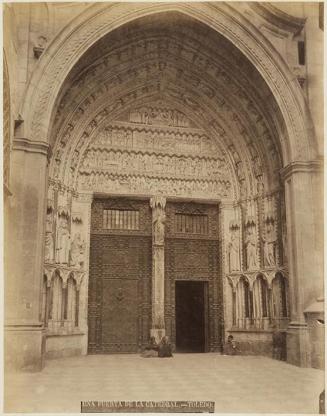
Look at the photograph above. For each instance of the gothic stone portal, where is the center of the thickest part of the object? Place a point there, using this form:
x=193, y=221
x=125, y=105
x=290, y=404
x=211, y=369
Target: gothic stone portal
x=120, y=276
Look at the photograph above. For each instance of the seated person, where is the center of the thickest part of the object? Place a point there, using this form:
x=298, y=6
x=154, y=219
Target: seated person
x=151, y=350
x=279, y=344
x=164, y=348
x=230, y=348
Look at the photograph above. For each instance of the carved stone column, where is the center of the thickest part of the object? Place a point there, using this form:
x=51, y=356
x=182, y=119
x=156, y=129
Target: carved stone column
x=158, y=204
x=305, y=251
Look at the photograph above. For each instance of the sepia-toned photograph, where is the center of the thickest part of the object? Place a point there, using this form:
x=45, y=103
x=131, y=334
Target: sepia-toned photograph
x=163, y=207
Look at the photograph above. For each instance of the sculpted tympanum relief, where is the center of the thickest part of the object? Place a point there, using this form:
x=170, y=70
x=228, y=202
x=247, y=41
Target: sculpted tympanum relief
x=155, y=148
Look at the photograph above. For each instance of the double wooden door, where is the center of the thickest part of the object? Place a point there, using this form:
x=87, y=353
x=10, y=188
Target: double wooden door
x=119, y=281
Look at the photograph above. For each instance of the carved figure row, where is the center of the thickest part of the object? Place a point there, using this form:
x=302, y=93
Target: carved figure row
x=158, y=116
x=63, y=239
x=154, y=139
x=129, y=162
x=151, y=185
x=269, y=242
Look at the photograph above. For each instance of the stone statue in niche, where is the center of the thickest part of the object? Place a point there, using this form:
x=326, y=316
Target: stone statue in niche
x=234, y=250
x=49, y=220
x=49, y=244
x=62, y=241
x=269, y=244
x=77, y=251
x=251, y=247
x=49, y=248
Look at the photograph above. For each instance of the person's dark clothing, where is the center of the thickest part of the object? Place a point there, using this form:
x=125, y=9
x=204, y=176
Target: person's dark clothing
x=230, y=348
x=152, y=346
x=165, y=350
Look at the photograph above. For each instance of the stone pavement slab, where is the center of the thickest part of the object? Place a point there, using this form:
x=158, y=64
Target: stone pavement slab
x=237, y=384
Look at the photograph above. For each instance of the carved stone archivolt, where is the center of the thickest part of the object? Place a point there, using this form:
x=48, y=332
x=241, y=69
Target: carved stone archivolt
x=81, y=36
x=246, y=137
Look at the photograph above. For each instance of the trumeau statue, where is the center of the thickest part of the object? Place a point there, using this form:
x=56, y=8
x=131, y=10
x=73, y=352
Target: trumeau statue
x=158, y=204
x=159, y=227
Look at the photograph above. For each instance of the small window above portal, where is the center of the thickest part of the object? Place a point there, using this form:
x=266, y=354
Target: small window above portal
x=121, y=219
x=191, y=223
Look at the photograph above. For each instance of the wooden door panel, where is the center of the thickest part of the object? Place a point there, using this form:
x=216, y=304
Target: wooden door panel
x=119, y=311
x=120, y=316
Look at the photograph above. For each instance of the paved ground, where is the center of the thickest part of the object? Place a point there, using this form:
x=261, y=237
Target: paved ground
x=235, y=384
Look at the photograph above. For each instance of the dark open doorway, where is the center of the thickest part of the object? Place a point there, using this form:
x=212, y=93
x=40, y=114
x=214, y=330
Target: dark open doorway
x=191, y=316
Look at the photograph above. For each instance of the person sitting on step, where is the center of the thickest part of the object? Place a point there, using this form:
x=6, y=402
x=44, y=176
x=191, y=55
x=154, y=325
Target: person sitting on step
x=230, y=347
x=151, y=350
x=165, y=348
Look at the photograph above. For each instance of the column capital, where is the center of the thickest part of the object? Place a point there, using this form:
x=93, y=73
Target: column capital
x=158, y=201
x=312, y=166
x=85, y=197
x=31, y=146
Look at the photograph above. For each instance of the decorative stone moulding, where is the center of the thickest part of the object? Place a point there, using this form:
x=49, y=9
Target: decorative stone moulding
x=37, y=51
x=258, y=52
x=64, y=273
x=77, y=218
x=268, y=275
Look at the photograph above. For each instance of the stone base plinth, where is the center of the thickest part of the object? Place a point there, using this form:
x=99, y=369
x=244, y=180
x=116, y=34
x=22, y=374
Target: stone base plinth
x=253, y=342
x=68, y=345
x=298, y=347
x=24, y=347
x=158, y=334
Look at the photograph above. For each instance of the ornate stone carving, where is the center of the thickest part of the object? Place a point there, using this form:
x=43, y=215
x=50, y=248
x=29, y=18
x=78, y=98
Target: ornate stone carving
x=270, y=232
x=251, y=247
x=250, y=236
x=77, y=251
x=151, y=138
x=119, y=161
x=136, y=184
x=158, y=203
x=159, y=116
x=49, y=248
x=123, y=156
x=62, y=240
x=269, y=244
x=234, y=247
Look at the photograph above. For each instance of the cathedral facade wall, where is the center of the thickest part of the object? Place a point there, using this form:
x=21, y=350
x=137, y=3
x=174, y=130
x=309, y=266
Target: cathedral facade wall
x=138, y=103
